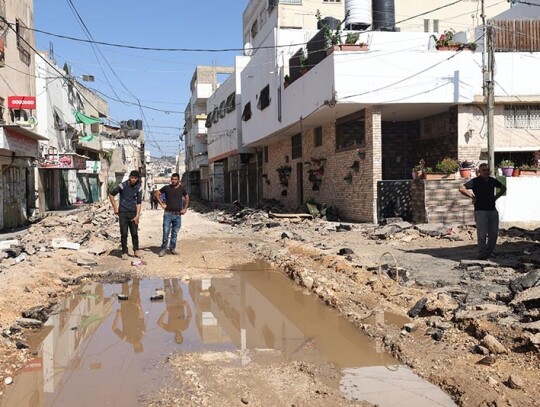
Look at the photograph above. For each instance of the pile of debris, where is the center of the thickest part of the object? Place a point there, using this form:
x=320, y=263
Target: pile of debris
x=397, y=228
x=90, y=228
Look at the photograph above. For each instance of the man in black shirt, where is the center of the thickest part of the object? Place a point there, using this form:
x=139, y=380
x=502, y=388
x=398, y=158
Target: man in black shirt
x=128, y=211
x=174, y=207
x=485, y=213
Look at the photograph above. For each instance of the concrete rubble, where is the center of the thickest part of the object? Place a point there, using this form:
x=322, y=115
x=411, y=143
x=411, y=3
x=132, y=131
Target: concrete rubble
x=89, y=229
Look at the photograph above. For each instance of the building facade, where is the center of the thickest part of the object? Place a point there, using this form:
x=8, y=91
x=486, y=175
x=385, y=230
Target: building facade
x=19, y=141
x=204, y=82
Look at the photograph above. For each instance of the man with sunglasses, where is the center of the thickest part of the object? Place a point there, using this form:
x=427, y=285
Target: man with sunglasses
x=485, y=214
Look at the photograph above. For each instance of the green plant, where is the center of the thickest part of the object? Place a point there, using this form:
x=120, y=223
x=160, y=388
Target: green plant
x=446, y=39
x=303, y=61
x=447, y=166
x=527, y=167
x=352, y=38
x=110, y=186
x=466, y=164
x=420, y=167
x=507, y=164
x=331, y=37
x=107, y=155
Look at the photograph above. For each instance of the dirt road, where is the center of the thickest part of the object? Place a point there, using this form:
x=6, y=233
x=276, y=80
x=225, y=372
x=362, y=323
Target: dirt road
x=437, y=346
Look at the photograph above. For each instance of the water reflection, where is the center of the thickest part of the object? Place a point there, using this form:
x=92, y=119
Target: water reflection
x=177, y=314
x=131, y=316
x=82, y=361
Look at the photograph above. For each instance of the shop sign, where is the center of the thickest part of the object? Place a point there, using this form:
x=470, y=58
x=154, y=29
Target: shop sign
x=22, y=102
x=63, y=161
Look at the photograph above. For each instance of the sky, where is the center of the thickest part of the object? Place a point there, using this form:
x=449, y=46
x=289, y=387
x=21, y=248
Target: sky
x=158, y=79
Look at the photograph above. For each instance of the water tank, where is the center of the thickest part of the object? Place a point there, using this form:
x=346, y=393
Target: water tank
x=359, y=14
x=131, y=124
x=384, y=15
x=138, y=124
x=331, y=22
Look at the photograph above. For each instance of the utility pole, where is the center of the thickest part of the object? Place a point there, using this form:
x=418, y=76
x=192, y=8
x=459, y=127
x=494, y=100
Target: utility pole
x=490, y=97
x=488, y=64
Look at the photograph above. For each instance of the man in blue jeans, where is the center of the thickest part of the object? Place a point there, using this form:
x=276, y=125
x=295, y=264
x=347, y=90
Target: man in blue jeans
x=174, y=207
x=485, y=214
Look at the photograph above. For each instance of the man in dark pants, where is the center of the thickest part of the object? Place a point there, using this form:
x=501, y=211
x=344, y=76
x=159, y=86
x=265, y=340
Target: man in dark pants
x=174, y=209
x=485, y=213
x=128, y=211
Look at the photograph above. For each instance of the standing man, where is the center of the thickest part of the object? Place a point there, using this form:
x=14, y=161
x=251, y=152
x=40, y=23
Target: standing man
x=174, y=209
x=128, y=211
x=485, y=214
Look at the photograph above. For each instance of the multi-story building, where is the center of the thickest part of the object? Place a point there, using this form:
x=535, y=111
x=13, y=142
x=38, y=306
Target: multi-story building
x=204, y=82
x=233, y=167
x=334, y=125
x=19, y=141
x=70, y=116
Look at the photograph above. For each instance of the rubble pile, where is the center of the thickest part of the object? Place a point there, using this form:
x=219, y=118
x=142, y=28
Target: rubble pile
x=91, y=228
x=398, y=229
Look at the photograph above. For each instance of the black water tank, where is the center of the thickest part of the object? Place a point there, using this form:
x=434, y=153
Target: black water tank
x=131, y=124
x=138, y=124
x=331, y=22
x=384, y=15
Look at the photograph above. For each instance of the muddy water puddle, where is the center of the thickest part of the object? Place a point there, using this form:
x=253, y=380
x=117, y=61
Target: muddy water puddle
x=99, y=350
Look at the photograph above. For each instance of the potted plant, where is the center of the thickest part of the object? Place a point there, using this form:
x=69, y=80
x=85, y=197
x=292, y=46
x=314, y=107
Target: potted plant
x=418, y=170
x=446, y=42
x=286, y=81
x=529, y=170
x=445, y=169
x=465, y=168
x=351, y=43
x=507, y=167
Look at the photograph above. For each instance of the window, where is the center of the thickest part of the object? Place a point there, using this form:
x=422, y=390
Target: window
x=265, y=154
x=94, y=128
x=209, y=120
x=350, y=131
x=231, y=103
x=222, y=111
x=426, y=25
x=264, y=98
x=522, y=116
x=317, y=137
x=215, y=115
x=255, y=29
x=246, y=113
x=22, y=41
x=2, y=110
x=296, y=142
x=436, y=25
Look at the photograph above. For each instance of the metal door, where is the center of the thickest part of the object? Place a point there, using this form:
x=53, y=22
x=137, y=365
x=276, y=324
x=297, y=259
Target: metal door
x=13, y=196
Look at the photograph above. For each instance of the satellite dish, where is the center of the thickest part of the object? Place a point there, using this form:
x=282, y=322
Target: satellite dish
x=248, y=49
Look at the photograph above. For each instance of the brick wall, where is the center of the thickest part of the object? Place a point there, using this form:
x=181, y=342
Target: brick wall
x=440, y=202
x=356, y=200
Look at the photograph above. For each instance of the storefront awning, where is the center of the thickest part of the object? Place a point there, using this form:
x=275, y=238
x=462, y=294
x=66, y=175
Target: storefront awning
x=20, y=141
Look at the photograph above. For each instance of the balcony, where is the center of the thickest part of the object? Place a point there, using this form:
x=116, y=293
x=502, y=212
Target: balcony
x=201, y=92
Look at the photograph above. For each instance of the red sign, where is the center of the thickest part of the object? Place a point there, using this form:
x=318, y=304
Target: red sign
x=22, y=102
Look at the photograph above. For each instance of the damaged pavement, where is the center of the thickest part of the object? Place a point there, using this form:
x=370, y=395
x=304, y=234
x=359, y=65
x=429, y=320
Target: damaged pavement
x=471, y=327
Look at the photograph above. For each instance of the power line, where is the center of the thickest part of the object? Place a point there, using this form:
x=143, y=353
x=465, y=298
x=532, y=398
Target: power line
x=212, y=50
